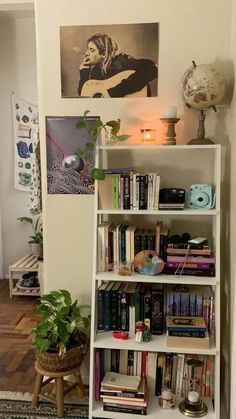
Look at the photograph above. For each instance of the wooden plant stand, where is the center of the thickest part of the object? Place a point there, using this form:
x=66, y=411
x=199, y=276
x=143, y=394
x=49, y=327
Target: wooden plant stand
x=28, y=263
x=60, y=389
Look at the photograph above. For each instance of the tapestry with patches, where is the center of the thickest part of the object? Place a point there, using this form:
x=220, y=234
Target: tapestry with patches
x=26, y=129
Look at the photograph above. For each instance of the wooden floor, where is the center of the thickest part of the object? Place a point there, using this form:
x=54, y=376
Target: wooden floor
x=17, y=358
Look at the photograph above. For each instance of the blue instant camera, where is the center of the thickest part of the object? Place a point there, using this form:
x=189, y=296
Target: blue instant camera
x=200, y=196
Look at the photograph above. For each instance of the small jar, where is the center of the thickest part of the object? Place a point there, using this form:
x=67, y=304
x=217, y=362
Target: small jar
x=167, y=399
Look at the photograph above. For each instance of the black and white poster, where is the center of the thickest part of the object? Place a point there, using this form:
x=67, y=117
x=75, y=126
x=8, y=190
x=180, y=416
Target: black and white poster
x=109, y=61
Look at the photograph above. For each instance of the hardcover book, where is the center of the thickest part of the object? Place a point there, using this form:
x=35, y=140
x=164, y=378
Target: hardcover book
x=188, y=323
x=121, y=381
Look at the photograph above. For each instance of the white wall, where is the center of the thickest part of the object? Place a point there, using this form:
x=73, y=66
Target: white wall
x=17, y=73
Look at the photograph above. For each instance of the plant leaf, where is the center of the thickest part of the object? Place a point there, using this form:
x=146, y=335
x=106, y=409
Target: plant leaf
x=121, y=137
x=80, y=124
x=86, y=112
x=89, y=146
x=79, y=152
x=27, y=219
x=98, y=174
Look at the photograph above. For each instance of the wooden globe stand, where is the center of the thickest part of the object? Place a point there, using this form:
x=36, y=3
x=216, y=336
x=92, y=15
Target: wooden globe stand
x=201, y=131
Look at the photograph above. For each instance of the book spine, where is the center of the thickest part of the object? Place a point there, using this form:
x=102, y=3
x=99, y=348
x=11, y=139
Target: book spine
x=97, y=375
x=123, y=311
x=126, y=396
x=196, y=265
x=190, y=259
x=192, y=271
x=137, y=241
x=107, y=310
x=115, y=191
x=186, y=329
x=130, y=410
x=159, y=374
x=143, y=189
x=126, y=191
x=157, y=298
x=147, y=309
x=100, y=305
x=179, y=376
x=113, y=315
x=191, y=334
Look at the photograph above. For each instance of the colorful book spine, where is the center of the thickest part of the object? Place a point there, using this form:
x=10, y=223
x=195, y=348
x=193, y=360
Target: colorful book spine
x=157, y=299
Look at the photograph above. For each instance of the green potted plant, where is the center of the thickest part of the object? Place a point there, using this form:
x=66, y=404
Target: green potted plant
x=36, y=241
x=111, y=129
x=59, y=337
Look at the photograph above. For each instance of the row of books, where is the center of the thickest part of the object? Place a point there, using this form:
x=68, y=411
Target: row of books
x=180, y=372
x=129, y=190
x=124, y=393
x=121, y=304
x=118, y=244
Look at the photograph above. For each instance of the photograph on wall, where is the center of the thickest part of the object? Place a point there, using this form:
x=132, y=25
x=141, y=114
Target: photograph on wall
x=68, y=173
x=103, y=61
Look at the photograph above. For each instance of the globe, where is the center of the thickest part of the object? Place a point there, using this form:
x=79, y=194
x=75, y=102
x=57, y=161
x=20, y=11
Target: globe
x=202, y=86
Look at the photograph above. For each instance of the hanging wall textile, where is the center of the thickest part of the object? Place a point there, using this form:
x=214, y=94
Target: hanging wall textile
x=25, y=126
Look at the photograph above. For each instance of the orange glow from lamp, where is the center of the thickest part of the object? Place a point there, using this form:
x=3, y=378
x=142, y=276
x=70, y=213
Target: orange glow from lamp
x=148, y=136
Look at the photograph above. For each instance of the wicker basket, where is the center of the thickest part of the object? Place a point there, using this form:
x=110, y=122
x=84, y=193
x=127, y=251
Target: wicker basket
x=50, y=361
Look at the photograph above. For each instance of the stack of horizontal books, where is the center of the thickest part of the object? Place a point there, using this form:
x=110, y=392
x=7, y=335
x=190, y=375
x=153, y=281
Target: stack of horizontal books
x=124, y=393
x=187, y=332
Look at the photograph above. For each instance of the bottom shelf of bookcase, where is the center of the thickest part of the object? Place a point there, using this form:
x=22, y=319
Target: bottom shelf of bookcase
x=153, y=410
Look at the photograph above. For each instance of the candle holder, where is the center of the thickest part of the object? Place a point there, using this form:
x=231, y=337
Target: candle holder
x=148, y=135
x=170, y=130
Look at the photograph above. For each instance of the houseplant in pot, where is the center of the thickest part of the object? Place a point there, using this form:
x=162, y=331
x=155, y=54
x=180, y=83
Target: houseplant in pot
x=110, y=129
x=36, y=241
x=59, y=337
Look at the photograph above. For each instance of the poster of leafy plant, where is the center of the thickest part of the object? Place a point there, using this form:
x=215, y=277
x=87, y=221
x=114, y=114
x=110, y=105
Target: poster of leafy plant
x=67, y=172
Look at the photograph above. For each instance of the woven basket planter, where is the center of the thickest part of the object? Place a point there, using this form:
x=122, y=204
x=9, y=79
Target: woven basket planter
x=51, y=361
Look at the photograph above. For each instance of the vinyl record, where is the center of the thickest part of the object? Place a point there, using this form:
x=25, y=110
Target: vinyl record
x=147, y=262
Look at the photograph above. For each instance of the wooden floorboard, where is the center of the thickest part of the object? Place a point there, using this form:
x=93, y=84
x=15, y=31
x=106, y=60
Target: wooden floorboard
x=17, y=358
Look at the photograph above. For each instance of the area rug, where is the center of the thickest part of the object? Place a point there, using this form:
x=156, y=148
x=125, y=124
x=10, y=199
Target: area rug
x=10, y=409
x=17, y=405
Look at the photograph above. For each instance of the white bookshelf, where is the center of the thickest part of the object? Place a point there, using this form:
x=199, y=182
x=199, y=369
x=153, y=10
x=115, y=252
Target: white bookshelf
x=179, y=166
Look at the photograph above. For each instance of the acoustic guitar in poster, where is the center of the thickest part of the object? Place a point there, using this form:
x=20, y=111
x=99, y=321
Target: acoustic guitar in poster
x=98, y=88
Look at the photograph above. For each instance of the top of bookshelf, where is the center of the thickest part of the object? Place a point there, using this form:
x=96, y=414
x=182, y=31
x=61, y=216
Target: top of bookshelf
x=122, y=146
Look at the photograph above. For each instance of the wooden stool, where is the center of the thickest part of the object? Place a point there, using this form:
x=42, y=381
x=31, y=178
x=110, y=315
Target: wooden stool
x=58, y=399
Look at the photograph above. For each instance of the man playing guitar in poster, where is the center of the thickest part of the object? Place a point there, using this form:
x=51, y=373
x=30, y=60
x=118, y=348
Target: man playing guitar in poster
x=104, y=73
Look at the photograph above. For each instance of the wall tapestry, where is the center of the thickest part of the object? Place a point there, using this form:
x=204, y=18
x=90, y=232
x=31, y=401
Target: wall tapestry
x=26, y=129
x=109, y=60
x=66, y=172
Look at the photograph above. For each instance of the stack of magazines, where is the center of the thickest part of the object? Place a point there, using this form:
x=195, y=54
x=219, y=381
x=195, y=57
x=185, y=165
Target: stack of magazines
x=124, y=393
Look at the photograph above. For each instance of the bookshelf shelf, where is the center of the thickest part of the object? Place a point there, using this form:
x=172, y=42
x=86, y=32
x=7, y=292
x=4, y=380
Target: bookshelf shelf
x=158, y=279
x=106, y=340
x=181, y=213
x=179, y=166
x=153, y=410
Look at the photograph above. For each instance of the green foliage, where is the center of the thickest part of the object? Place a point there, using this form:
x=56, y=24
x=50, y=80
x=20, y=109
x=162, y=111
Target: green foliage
x=37, y=228
x=111, y=127
x=60, y=322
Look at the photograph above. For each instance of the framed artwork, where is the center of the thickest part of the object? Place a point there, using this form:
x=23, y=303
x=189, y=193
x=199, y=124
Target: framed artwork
x=103, y=61
x=68, y=173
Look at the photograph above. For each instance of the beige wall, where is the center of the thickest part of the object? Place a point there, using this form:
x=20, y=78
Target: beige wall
x=18, y=74
x=187, y=32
